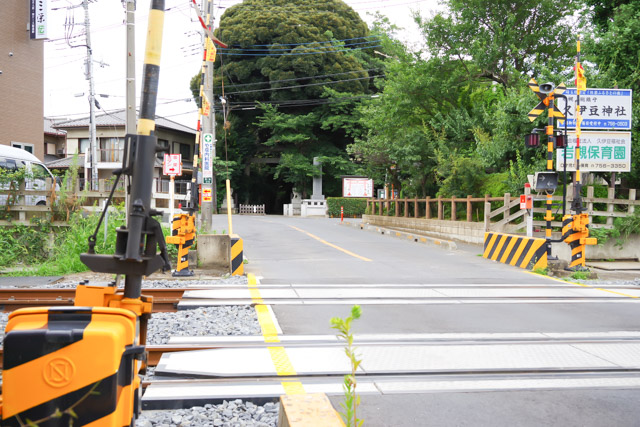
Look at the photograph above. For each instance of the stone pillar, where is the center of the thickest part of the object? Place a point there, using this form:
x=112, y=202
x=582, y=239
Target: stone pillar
x=317, y=180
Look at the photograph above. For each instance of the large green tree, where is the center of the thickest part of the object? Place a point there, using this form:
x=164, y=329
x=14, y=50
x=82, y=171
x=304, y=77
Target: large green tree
x=292, y=74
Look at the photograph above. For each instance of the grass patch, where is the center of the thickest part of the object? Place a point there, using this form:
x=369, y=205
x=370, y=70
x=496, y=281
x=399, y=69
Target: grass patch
x=581, y=275
x=541, y=271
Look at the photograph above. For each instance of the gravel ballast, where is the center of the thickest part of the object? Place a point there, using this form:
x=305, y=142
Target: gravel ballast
x=227, y=414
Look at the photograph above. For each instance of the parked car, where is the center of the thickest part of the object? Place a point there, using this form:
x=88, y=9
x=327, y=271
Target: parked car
x=12, y=159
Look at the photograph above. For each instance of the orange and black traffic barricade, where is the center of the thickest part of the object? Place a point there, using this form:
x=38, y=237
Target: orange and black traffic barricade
x=183, y=233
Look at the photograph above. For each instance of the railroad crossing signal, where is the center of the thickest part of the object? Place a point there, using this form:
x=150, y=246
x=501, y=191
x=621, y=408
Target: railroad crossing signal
x=546, y=93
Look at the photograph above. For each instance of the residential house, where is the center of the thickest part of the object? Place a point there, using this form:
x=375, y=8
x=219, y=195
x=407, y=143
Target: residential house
x=110, y=136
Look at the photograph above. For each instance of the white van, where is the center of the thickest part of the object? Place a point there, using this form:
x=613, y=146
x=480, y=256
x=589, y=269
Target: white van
x=12, y=158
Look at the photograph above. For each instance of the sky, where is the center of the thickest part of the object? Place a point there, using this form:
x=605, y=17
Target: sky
x=65, y=86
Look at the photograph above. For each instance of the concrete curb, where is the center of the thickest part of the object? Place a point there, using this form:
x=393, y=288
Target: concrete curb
x=447, y=244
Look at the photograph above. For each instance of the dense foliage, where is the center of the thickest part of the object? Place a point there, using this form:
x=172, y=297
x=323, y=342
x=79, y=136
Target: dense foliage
x=293, y=74
x=353, y=207
x=448, y=120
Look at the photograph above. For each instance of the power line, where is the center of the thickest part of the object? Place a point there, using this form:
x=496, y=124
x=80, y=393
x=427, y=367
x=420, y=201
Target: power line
x=307, y=85
x=299, y=53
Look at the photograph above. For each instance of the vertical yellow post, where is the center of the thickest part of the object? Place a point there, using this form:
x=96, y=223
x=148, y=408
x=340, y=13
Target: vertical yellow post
x=229, y=206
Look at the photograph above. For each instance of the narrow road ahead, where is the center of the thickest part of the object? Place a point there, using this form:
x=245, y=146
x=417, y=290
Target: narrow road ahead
x=493, y=344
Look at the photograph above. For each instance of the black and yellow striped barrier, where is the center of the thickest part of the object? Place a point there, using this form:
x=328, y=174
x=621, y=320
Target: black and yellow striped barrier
x=237, y=256
x=520, y=251
x=575, y=232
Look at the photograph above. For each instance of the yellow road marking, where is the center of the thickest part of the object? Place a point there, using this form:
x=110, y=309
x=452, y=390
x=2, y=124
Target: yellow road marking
x=279, y=356
x=583, y=285
x=331, y=244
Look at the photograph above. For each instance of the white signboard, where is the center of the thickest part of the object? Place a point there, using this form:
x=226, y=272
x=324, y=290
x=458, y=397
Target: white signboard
x=172, y=164
x=600, y=108
x=599, y=152
x=207, y=156
x=357, y=187
x=38, y=19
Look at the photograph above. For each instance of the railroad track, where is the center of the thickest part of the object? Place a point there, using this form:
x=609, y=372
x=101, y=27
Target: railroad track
x=164, y=299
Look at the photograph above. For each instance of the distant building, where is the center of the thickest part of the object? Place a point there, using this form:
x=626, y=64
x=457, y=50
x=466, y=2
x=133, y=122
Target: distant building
x=110, y=136
x=21, y=80
x=55, y=141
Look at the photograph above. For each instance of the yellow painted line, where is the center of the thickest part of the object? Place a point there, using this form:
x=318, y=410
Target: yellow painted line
x=281, y=361
x=331, y=244
x=293, y=387
x=279, y=356
x=581, y=284
x=269, y=331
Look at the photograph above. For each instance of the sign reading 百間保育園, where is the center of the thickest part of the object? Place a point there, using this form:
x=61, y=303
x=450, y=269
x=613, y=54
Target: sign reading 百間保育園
x=38, y=19
x=599, y=108
x=599, y=152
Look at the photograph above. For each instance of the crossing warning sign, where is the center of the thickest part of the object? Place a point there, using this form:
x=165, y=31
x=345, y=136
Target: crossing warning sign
x=545, y=98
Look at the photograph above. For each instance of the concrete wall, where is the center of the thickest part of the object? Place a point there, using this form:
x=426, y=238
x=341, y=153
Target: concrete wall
x=470, y=232
x=214, y=251
x=21, y=81
x=473, y=232
x=607, y=250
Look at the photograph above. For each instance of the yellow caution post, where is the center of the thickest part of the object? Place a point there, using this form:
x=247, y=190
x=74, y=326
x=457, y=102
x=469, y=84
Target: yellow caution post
x=237, y=256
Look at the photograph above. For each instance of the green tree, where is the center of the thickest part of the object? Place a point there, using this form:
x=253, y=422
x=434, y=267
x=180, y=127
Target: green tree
x=615, y=51
x=507, y=40
x=297, y=58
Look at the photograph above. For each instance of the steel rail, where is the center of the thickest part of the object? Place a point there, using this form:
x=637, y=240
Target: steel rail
x=164, y=299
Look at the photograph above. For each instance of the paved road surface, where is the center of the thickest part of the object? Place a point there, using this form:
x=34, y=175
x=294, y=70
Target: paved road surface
x=474, y=296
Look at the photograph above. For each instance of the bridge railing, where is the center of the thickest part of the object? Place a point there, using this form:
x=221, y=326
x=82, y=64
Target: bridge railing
x=498, y=213
x=251, y=210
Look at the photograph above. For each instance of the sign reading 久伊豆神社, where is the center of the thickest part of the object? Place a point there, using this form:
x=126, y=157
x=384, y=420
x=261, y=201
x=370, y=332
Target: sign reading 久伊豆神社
x=599, y=108
x=599, y=152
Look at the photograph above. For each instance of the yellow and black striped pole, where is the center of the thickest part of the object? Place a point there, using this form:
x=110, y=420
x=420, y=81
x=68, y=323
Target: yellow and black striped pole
x=550, y=144
x=145, y=147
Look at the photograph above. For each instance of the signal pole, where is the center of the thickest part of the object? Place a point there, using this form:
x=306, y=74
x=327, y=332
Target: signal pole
x=131, y=66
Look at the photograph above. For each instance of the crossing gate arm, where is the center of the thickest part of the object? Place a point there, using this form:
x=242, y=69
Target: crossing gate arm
x=519, y=251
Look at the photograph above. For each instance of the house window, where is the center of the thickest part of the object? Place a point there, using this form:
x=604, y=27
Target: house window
x=23, y=146
x=183, y=149
x=164, y=143
x=83, y=145
x=111, y=149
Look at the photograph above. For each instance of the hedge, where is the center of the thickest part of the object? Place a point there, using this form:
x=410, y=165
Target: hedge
x=353, y=207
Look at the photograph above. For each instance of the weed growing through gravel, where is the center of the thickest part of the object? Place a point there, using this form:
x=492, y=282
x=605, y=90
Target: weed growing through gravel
x=351, y=399
x=541, y=271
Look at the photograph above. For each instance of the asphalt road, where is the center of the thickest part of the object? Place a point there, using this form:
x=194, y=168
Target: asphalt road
x=292, y=251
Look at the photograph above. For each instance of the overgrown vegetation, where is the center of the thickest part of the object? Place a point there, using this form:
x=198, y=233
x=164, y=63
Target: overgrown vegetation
x=351, y=399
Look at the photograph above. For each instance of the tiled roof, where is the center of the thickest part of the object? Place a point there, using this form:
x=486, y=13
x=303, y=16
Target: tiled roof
x=65, y=162
x=48, y=128
x=118, y=119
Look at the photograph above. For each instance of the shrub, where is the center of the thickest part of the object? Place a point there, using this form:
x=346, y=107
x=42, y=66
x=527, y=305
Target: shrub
x=352, y=206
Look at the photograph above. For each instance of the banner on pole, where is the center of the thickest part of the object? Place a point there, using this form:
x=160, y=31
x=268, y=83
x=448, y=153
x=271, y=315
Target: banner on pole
x=207, y=158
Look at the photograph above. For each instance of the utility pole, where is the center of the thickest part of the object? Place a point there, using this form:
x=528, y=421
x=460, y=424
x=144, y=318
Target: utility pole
x=92, y=99
x=208, y=122
x=131, y=66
